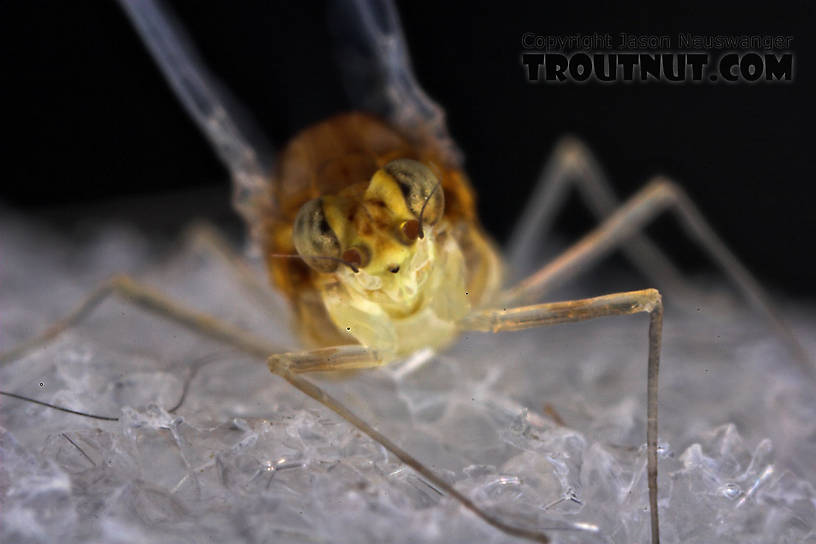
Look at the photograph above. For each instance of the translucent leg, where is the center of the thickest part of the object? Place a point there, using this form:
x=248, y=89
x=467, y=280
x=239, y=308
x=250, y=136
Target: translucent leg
x=355, y=357
x=659, y=195
x=378, y=76
x=233, y=137
x=200, y=235
x=539, y=315
x=205, y=236
x=572, y=163
x=333, y=359
x=145, y=297
x=287, y=366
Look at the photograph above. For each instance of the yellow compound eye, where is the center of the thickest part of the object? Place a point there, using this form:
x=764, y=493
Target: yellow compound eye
x=420, y=190
x=314, y=237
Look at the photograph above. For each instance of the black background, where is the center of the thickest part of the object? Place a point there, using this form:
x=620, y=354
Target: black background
x=93, y=122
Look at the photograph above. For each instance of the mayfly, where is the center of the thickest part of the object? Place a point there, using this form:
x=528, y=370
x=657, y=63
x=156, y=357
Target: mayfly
x=368, y=226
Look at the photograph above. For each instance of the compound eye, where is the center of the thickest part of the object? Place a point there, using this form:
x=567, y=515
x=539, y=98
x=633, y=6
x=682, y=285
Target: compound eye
x=314, y=237
x=419, y=188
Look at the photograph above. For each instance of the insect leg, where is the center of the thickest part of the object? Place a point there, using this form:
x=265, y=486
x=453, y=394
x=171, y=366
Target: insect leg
x=348, y=357
x=149, y=299
x=286, y=366
x=208, y=239
x=540, y=315
x=659, y=195
x=233, y=137
x=572, y=163
x=378, y=75
x=333, y=359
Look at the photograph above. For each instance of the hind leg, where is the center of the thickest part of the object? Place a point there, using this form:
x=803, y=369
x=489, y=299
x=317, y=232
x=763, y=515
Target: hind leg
x=572, y=164
x=627, y=221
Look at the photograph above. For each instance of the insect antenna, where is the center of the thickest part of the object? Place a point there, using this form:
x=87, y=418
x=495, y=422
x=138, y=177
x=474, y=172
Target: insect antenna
x=424, y=205
x=302, y=258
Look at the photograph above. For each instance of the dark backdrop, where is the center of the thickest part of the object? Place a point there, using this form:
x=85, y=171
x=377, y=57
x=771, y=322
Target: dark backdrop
x=92, y=120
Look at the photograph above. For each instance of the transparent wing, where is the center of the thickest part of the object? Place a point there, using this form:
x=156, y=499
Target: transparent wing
x=378, y=75
x=238, y=144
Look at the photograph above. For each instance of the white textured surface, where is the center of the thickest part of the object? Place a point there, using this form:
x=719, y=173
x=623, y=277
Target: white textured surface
x=247, y=458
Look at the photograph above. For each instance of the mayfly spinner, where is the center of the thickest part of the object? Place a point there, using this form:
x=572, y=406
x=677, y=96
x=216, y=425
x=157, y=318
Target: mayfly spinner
x=367, y=223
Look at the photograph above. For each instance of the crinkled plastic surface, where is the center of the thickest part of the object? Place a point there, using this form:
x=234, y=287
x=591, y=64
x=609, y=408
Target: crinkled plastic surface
x=247, y=458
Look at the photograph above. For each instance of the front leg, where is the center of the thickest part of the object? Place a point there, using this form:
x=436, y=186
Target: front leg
x=632, y=302
x=287, y=365
x=354, y=357
x=333, y=359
